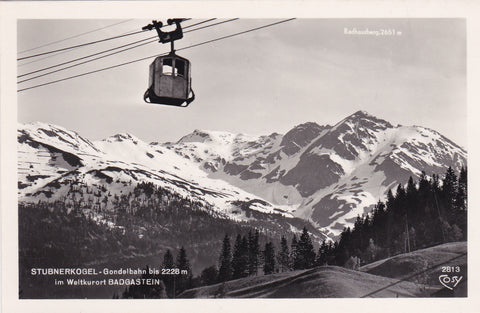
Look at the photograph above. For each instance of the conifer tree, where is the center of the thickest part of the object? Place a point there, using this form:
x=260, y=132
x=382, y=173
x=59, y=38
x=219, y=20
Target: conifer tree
x=168, y=263
x=240, y=258
x=449, y=189
x=424, y=195
x=293, y=252
x=184, y=281
x=460, y=207
x=322, y=254
x=253, y=252
x=305, y=255
x=269, y=259
x=461, y=200
x=168, y=260
x=411, y=199
x=400, y=201
x=225, y=268
x=284, y=255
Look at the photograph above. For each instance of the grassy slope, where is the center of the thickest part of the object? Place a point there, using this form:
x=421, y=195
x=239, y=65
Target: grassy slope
x=338, y=282
x=403, y=266
x=321, y=282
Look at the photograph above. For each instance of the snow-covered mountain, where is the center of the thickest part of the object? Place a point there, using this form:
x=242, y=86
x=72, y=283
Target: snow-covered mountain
x=52, y=161
x=326, y=174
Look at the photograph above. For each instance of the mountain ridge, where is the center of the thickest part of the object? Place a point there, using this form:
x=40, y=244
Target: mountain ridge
x=322, y=173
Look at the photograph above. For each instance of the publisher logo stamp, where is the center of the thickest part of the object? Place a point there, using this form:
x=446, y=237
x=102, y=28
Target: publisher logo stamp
x=448, y=281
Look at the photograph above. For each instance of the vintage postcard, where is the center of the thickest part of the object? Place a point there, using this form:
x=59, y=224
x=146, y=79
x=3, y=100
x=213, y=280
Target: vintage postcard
x=166, y=155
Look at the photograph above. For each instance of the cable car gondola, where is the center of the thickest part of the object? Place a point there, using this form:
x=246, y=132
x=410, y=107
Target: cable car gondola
x=169, y=76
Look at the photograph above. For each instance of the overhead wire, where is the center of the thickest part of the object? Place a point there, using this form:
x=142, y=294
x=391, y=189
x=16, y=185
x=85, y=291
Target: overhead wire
x=74, y=36
x=91, y=72
x=156, y=55
x=206, y=21
x=44, y=58
x=214, y=24
x=94, y=54
x=80, y=45
x=84, y=62
x=48, y=56
x=108, y=50
x=87, y=43
x=82, y=58
x=237, y=34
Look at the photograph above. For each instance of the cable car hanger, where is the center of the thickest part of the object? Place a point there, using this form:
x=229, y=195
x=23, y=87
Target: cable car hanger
x=169, y=79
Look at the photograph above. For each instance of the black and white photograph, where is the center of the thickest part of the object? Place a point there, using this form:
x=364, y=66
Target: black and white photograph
x=174, y=157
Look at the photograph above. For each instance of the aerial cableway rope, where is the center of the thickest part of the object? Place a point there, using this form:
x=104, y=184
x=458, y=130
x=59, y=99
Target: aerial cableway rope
x=156, y=55
x=202, y=22
x=82, y=58
x=236, y=34
x=74, y=36
x=111, y=49
x=83, y=44
x=65, y=51
x=61, y=52
x=80, y=45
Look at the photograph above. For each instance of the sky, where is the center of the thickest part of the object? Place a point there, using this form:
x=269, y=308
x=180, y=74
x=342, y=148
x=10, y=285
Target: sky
x=305, y=70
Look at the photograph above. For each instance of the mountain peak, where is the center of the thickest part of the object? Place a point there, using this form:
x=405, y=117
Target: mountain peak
x=364, y=119
x=197, y=135
x=300, y=136
x=122, y=137
x=362, y=113
x=45, y=127
x=53, y=134
x=219, y=137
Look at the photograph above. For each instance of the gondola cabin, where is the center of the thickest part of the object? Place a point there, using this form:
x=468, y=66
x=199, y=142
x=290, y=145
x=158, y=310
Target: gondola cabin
x=169, y=81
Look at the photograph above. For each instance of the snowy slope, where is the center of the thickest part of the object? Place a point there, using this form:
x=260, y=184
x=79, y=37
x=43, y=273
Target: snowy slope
x=51, y=168
x=326, y=174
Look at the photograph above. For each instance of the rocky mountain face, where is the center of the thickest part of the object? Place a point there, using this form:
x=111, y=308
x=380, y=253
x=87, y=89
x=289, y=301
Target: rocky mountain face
x=325, y=174
x=328, y=174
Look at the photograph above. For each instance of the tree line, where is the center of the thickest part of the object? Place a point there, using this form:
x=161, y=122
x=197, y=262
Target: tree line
x=421, y=214
x=176, y=277
x=247, y=257
x=429, y=212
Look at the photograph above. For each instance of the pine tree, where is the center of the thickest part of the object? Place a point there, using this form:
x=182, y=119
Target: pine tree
x=305, y=249
x=168, y=260
x=293, y=252
x=425, y=195
x=322, y=254
x=253, y=252
x=168, y=280
x=225, y=268
x=400, y=201
x=184, y=281
x=390, y=198
x=305, y=256
x=240, y=258
x=269, y=259
x=460, y=218
x=461, y=199
x=283, y=255
x=449, y=189
x=411, y=199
